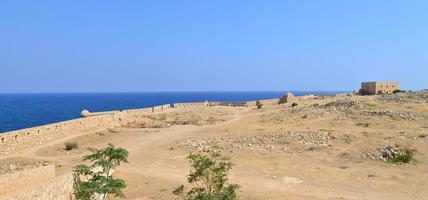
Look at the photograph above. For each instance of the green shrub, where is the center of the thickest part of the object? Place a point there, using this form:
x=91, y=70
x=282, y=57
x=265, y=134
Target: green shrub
x=208, y=176
x=365, y=124
x=403, y=156
x=371, y=106
x=259, y=104
x=95, y=181
x=70, y=146
x=398, y=91
x=112, y=131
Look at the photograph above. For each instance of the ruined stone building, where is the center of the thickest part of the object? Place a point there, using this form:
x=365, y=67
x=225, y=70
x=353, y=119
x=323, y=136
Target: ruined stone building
x=372, y=88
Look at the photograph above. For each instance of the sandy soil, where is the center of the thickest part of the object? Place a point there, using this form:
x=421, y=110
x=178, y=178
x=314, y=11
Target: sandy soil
x=303, y=152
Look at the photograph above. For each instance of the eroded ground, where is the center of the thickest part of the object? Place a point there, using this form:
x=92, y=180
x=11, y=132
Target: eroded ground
x=326, y=148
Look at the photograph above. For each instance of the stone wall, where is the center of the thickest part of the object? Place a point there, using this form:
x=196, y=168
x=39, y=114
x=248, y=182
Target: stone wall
x=15, y=181
x=59, y=188
x=24, y=138
x=185, y=105
x=19, y=139
x=265, y=102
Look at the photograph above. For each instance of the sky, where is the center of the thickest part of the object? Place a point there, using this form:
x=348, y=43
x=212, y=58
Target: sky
x=230, y=45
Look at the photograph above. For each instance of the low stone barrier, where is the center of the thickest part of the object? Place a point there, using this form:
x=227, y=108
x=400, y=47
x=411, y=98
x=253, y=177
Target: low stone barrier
x=185, y=105
x=15, y=181
x=59, y=188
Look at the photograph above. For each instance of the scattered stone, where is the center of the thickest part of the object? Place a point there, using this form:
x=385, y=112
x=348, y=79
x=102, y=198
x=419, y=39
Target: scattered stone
x=291, y=180
x=263, y=142
x=417, y=97
x=395, y=115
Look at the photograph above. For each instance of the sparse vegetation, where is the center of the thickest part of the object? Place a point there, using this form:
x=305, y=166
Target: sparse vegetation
x=366, y=134
x=403, y=156
x=208, y=176
x=312, y=148
x=363, y=124
x=259, y=104
x=70, y=146
x=95, y=181
x=348, y=138
x=371, y=106
x=294, y=104
x=398, y=91
x=112, y=131
x=326, y=130
x=345, y=154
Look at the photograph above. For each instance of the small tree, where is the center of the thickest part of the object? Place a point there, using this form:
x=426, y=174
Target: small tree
x=208, y=177
x=95, y=181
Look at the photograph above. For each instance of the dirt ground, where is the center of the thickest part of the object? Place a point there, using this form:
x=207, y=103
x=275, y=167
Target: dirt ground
x=320, y=149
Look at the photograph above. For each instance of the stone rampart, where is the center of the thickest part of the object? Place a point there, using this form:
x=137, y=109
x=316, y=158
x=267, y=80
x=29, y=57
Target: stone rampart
x=185, y=105
x=59, y=188
x=20, y=139
x=15, y=181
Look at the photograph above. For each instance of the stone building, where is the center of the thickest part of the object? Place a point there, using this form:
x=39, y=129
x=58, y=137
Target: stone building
x=371, y=88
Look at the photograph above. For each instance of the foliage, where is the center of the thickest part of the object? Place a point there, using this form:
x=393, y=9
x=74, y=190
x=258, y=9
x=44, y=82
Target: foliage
x=70, y=146
x=95, y=181
x=371, y=105
x=259, y=104
x=398, y=91
x=403, y=156
x=208, y=177
x=363, y=124
x=294, y=104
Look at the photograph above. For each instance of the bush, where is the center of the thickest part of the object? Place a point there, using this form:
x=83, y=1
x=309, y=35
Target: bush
x=95, y=181
x=398, y=91
x=294, y=104
x=208, y=177
x=259, y=104
x=363, y=124
x=403, y=156
x=70, y=146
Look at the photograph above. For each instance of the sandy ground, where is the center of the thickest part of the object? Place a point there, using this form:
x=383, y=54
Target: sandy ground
x=280, y=168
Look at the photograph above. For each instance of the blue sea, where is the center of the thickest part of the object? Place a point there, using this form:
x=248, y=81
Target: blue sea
x=18, y=111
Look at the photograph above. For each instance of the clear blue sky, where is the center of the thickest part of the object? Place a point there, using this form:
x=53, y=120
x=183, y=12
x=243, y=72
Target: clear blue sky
x=101, y=46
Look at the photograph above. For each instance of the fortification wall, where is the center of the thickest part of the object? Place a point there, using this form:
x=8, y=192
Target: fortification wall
x=265, y=102
x=186, y=105
x=59, y=188
x=15, y=181
x=20, y=139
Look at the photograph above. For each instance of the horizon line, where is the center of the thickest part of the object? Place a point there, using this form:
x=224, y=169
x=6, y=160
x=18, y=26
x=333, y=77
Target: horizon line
x=214, y=91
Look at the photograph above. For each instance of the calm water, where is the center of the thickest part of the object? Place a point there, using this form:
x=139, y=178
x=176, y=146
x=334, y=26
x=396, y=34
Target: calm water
x=19, y=111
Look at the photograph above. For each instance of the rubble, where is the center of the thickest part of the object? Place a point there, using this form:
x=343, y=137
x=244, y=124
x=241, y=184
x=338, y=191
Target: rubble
x=263, y=142
x=417, y=97
x=343, y=106
x=395, y=115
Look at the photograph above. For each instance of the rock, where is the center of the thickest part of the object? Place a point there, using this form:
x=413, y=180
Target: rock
x=288, y=98
x=291, y=180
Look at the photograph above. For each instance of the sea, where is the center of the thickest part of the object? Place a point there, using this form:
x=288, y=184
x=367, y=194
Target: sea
x=18, y=111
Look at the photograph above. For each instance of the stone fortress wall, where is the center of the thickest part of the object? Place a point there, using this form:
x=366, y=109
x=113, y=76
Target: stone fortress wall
x=54, y=188
x=16, y=180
